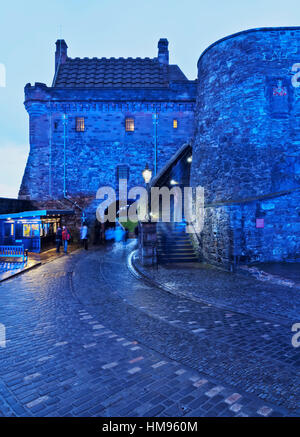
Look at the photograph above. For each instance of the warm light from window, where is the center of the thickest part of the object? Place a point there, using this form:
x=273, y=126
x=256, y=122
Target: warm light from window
x=175, y=123
x=129, y=125
x=79, y=124
x=26, y=230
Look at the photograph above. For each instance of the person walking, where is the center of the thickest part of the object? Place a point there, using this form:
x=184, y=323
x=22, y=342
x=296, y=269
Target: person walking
x=58, y=239
x=84, y=235
x=119, y=234
x=65, y=238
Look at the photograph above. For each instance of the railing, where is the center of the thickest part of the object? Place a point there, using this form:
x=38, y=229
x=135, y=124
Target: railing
x=13, y=252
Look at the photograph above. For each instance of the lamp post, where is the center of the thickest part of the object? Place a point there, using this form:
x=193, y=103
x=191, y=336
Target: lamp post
x=147, y=229
x=147, y=174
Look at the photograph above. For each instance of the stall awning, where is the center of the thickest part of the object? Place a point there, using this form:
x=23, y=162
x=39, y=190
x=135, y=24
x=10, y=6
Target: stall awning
x=37, y=213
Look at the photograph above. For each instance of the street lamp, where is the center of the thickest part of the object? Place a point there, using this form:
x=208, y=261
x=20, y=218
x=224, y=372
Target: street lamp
x=147, y=174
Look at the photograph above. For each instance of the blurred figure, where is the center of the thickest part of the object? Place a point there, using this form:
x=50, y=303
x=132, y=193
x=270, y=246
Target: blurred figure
x=119, y=234
x=65, y=238
x=109, y=234
x=102, y=233
x=97, y=232
x=84, y=235
x=58, y=239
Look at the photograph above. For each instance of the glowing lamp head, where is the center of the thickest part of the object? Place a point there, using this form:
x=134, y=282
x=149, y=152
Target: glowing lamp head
x=147, y=174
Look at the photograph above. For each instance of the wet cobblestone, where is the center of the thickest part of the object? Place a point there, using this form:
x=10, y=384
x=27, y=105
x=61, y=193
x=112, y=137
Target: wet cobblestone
x=245, y=294
x=85, y=338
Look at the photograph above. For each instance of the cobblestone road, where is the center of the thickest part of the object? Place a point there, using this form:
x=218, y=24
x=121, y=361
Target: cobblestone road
x=85, y=338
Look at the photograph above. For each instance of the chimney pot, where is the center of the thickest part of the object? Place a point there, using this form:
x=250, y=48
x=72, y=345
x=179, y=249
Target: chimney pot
x=163, y=52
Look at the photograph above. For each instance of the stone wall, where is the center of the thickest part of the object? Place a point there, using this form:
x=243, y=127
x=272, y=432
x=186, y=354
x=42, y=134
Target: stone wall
x=247, y=145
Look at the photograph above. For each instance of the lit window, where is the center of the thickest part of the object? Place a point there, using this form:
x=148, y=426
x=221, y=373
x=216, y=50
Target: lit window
x=129, y=124
x=12, y=226
x=26, y=230
x=79, y=124
x=175, y=123
x=35, y=230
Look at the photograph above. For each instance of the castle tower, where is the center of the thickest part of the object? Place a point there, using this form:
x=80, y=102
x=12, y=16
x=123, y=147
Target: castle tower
x=246, y=150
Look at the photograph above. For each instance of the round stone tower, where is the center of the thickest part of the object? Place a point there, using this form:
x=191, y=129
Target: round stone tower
x=247, y=146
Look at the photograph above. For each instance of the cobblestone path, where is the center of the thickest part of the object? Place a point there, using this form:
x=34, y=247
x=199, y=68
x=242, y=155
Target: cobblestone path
x=86, y=338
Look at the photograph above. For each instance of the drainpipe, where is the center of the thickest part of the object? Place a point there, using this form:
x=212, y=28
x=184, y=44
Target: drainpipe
x=50, y=153
x=75, y=204
x=155, y=117
x=64, y=178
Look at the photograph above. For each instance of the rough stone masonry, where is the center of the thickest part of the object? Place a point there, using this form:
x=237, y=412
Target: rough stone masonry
x=246, y=147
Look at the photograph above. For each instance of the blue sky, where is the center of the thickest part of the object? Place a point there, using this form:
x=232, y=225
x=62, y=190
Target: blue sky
x=29, y=29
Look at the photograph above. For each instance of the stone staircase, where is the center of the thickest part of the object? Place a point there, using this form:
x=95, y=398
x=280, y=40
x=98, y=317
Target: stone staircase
x=174, y=244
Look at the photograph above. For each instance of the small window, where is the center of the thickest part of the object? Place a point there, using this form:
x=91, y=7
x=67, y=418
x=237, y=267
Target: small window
x=175, y=123
x=79, y=124
x=129, y=124
x=26, y=230
x=55, y=125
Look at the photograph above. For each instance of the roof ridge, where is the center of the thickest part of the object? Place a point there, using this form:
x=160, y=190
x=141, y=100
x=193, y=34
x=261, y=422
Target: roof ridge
x=112, y=57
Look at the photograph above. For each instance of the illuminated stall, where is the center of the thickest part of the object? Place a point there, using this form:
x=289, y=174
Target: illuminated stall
x=34, y=229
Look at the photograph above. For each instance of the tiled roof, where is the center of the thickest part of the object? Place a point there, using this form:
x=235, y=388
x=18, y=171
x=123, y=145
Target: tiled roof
x=116, y=72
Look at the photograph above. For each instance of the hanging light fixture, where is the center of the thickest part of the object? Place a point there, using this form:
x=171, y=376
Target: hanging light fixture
x=147, y=174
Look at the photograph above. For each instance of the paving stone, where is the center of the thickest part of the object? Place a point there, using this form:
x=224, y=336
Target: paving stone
x=47, y=318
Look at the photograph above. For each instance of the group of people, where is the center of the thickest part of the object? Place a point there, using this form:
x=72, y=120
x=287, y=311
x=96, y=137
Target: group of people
x=63, y=237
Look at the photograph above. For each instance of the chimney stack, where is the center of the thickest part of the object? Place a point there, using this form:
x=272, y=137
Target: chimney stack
x=61, y=52
x=163, y=52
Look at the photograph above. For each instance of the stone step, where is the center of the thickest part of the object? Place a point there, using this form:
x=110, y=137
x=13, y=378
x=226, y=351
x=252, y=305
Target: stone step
x=181, y=249
x=173, y=237
x=174, y=244
x=177, y=255
x=177, y=260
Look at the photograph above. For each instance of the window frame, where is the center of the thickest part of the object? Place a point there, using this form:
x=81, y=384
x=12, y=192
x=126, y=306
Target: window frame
x=129, y=120
x=80, y=124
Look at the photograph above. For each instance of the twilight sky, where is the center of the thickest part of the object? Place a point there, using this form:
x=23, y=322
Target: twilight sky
x=119, y=28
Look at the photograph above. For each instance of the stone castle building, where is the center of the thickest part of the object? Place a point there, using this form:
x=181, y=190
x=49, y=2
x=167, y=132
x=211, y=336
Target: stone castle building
x=103, y=119
x=106, y=118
